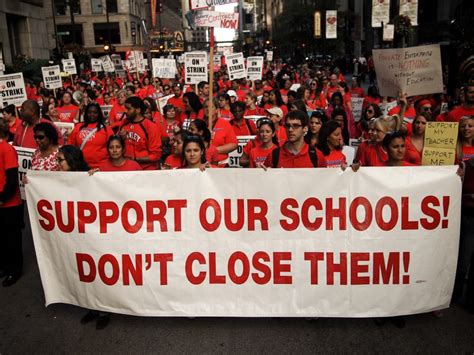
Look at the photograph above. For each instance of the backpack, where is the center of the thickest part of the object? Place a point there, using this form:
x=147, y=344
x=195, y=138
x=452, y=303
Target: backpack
x=312, y=155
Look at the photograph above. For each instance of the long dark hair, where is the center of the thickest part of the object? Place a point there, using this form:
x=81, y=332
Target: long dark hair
x=324, y=133
x=199, y=141
x=100, y=119
x=268, y=122
x=279, y=100
x=194, y=101
x=345, y=129
x=74, y=158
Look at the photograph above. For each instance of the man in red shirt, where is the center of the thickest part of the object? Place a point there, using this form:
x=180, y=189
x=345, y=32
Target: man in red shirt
x=241, y=125
x=467, y=109
x=177, y=101
x=203, y=90
x=30, y=115
x=295, y=153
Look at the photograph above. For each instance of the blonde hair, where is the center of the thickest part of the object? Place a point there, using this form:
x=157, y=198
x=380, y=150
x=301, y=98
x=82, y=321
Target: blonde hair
x=460, y=143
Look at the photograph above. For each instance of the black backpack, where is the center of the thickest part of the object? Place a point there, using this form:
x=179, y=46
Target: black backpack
x=312, y=155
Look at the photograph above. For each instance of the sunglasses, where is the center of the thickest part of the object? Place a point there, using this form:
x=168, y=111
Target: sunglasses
x=39, y=137
x=293, y=126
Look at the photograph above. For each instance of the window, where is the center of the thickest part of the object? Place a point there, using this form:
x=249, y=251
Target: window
x=96, y=6
x=112, y=5
x=60, y=6
x=70, y=34
x=103, y=30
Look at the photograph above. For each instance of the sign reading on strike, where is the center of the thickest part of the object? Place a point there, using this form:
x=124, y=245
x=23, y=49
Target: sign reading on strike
x=164, y=68
x=216, y=19
x=52, y=77
x=254, y=68
x=96, y=64
x=414, y=70
x=234, y=156
x=222, y=245
x=236, y=66
x=440, y=143
x=69, y=66
x=25, y=155
x=12, y=89
x=107, y=64
x=195, y=67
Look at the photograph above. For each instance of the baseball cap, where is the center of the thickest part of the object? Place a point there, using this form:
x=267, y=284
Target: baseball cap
x=232, y=93
x=275, y=111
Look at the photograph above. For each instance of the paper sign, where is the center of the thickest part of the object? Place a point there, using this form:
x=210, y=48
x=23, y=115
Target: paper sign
x=69, y=66
x=269, y=56
x=25, y=155
x=254, y=68
x=52, y=77
x=380, y=12
x=388, y=32
x=164, y=68
x=107, y=64
x=162, y=101
x=410, y=8
x=12, y=89
x=234, y=156
x=106, y=110
x=414, y=70
x=96, y=65
x=440, y=143
x=65, y=128
x=236, y=66
x=357, y=103
x=195, y=67
x=215, y=19
x=331, y=24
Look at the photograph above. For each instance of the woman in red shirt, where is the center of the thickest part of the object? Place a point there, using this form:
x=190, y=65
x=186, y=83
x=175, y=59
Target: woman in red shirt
x=224, y=108
x=251, y=106
x=117, y=113
x=330, y=144
x=92, y=136
x=194, y=153
x=415, y=142
x=68, y=111
x=268, y=142
x=116, y=160
x=465, y=148
x=317, y=119
x=376, y=155
x=10, y=117
x=175, y=159
x=394, y=144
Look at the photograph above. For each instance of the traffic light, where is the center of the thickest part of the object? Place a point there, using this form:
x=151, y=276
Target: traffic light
x=159, y=6
x=107, y=48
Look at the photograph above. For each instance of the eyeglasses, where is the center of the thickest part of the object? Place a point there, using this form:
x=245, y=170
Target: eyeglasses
x=39, y=137
x=293, y=126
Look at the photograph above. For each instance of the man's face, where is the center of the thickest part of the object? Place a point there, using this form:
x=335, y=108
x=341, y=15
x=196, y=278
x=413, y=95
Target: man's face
x=205, y=90
x=295, y=130
x=131, y=112
x=470, y=94
x=27, y=113
x=177, y=91
x=333, y=79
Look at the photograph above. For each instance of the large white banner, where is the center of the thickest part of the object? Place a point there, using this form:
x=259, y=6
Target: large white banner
x=12, y=90
x=195, y=67
x=380, y=12
x=216, y=19
x=248, y=242
x=236, y=66
x=412, y=70
x=52, y=77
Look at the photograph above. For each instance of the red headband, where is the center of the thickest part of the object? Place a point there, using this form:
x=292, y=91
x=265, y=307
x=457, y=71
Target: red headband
x=424, y=102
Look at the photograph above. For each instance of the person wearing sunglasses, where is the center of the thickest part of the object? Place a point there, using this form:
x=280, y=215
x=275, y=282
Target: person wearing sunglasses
x=45, y=156
x=370, y=112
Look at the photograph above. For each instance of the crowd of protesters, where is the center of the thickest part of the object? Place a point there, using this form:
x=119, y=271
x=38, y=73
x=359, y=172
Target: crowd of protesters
x=301, y=117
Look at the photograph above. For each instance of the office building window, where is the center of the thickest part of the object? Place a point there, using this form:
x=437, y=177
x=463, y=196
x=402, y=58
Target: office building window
x=102, y=31
x=96, y=6
x=112, y=5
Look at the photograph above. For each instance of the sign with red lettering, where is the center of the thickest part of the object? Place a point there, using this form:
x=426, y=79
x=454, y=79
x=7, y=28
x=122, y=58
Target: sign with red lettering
x=222, y=245
x=217, y=19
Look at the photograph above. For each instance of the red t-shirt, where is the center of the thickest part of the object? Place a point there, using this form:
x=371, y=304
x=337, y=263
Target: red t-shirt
x=242, y=129
x=223, y=133
x=212, y=156
x=24, y=136
x=374, y=155
x=412, y=155
x=225, y=114
x=174, y=161
x=116, y=114
x=357, y=92
x=257, y=111
x=410, y=111
x=67, y=113
x=467, y=152
x=299, y=160
x=458, y=112
x=259, y=155
x=128, y=165
x=13, y=127
x=8, y=160
x=335, y=159
x=95, y=149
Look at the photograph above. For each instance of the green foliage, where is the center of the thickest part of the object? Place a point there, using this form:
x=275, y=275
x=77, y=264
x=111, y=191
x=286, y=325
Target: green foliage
x=31, y=68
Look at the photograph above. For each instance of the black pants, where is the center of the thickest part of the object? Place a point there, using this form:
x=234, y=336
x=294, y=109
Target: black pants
x=11, y=246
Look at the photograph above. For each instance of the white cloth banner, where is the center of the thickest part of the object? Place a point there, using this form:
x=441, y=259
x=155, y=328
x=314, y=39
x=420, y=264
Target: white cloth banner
x=331, y=24
x=254, y=68
x=380, y=12
x=236, y=66
x=164, y=68
x=12, y=89
x=195, y=67
x=52, y=77
x=248, y=242
x=414, y=70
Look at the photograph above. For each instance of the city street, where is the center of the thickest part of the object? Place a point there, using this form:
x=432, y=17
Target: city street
x=26, y=326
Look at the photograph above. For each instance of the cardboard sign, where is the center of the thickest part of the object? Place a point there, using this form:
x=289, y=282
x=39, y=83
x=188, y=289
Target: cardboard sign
x=410, y=8
x=164, y=68
x=234, y=156
x=195, y=67
x=229, y=20
x=12, y=89
x=25, y=155
x=96, y=65
x=69, y=66
x=440, y=143
x=380, y=12
x=357, y=103
x=107, y=64
x=254, y=68
x=52, y=77
x=414, y=70
x=236, y=66
x=331, y=24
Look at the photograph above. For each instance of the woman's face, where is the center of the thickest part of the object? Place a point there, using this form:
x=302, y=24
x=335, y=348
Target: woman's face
x=93, y=114
x=314, y=125
x=335, y=139
x=396, y=149
x=419, y=125
x=379, y=132
x=467, y=128
x=369, y=113
x=223, y=102
x=171, y=113
x=178, y=145
x=194, y=130
x=62, y=162
x=340, y=120
x=266, y=97
x=146, y=81
x=52, y=110
x=67, y=99
x=193, y=154
x=115, y=149
x=337, y=101
x=121, y=98
x=307, y=94
x=272, y=97
x=248, y=101
x=42, y=141
x=8, y=117
x=187, y=106
x=265, y=133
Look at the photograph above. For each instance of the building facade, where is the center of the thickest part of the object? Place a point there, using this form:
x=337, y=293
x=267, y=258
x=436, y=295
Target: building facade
x=23, y=29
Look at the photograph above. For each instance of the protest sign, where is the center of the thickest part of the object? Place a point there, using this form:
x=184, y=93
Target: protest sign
x=269, y=56
x=164, y=68
x=385, y=107
x=254, y=68
x=52, y=77
x=222, y=245
x=236, y=66
x=65, y=128
x=414, y=70
x=162, y=101
x=388, y=32
x=357, y=103
x=195, y=67
x=410, y=8
x=234, y=156
x=96, y=64
x=69, y=66
x=106, y=110
x=107, y=64
x=204, y=4
x=331, y=24
x=380, y=12
x=24, y=165
x=440, y=143
x=12, y=89
x=216, y=19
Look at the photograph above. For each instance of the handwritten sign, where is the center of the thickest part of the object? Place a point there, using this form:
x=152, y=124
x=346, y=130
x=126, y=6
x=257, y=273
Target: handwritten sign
x=12, y=89
x=440, y=143
x=357, y=103
x=414, y=70
x=164, y=68
x=236, y=66
x=52, y=77
x=254, y=68
x=216, y=19
x=195, y=67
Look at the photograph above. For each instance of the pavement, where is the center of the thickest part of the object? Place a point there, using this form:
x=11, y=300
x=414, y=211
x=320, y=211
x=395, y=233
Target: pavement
x=27, y=326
